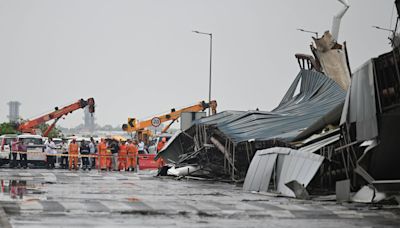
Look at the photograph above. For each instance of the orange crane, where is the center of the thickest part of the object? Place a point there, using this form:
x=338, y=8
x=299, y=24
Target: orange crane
x=30, y=125
x=135, y=126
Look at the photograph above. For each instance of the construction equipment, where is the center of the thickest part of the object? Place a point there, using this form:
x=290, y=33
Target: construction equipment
x=139, y=127
x=30, y=125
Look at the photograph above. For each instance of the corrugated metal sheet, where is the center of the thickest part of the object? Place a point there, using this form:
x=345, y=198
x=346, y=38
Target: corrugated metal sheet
x=297, y=165
x=360, y=106
x=290, y=165
x=321, y=143
x=317, y=96
x=259, y=172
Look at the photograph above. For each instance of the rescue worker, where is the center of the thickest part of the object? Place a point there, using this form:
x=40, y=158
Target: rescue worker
x=132, y=155
x=161, y=145
x=85, y=150
x=14, y=153
x=122, y=156
x=102, y=150
x=73, y=154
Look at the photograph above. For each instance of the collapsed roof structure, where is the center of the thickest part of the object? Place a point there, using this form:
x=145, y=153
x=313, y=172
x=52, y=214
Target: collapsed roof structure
x=224, y=144
x=341, y=125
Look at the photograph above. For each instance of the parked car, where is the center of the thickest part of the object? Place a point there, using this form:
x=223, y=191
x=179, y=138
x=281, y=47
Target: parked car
x=5, y=148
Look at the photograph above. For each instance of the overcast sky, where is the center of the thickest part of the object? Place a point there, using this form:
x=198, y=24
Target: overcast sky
x=140, y=58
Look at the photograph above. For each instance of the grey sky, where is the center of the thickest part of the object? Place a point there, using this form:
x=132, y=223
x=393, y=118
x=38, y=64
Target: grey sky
x=139, y=58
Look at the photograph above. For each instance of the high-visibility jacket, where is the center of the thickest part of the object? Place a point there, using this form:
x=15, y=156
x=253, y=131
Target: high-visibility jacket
x=160, y=146
x=123, y=152
x=132, y=150
x=132, y=155
x=73, y=148
x=102, y=150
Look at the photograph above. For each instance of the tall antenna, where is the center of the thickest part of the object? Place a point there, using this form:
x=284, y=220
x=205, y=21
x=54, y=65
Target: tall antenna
x=337, y=19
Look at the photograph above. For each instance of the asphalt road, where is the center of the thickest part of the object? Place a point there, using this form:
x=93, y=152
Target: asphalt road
x=59, y=198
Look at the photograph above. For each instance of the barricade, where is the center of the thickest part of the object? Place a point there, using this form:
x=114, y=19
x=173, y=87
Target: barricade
x=96, y=156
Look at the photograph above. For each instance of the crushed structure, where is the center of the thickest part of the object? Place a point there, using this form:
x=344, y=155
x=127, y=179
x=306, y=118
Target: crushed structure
x=224, y=144
x=331, y=126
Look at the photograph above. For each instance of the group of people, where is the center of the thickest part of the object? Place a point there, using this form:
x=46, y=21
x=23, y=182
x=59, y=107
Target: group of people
x=106, y=155
x=109, y=154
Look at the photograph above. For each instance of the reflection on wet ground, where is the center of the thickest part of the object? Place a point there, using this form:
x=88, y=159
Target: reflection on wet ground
x=58, y=198
x=19, y=189
x=13, y=188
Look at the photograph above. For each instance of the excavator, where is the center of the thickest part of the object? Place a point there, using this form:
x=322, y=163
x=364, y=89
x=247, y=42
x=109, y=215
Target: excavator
x=31, y=125
x=140, y=127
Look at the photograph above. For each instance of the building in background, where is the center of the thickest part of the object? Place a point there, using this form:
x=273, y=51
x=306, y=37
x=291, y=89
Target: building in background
x=13, y=114
x=89, y=120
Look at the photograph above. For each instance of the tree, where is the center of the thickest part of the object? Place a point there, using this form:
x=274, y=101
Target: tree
x=7, y=128
x=54, y=133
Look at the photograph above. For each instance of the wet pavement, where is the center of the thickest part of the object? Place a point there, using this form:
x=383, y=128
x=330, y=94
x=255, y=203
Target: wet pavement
x=60, y=198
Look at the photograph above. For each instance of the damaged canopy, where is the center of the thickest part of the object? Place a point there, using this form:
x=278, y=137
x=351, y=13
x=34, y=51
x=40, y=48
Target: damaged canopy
x=317, y=95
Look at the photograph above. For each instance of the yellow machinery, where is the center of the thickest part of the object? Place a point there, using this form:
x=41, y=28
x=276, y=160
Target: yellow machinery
x=139, y=127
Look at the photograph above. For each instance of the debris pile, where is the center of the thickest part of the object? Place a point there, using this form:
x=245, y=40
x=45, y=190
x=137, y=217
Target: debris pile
x=330, y=131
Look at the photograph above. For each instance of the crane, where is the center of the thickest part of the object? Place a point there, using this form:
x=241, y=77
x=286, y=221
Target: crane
x=135, y=126
x=30, y=125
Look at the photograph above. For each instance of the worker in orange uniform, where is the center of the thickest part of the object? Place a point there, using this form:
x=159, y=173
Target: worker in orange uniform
x=161, y=145
x=73, y=151
x=122, y=156
x=102, y=150
x=132, y=155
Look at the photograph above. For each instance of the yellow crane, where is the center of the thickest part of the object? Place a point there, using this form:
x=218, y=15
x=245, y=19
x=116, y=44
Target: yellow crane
x=134, y=125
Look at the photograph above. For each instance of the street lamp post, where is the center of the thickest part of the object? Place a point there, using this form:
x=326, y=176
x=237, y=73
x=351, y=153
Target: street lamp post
x=209, y=82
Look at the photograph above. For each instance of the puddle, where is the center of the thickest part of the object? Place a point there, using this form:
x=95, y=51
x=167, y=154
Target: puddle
x=19, y=189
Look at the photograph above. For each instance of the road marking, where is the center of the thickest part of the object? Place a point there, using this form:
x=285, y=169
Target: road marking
x=348, y=214
x=280, y=213
x=49, y=177
x=52, y=206
x=291, y=207
x=109, y=178
x=25, y=174
x=71, y=174
x=116, y=206
x=73, y=206
x=33, y=205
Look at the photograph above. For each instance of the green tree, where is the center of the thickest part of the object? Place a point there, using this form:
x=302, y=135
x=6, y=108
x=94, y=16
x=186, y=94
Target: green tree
x=54, y=133
x=7, y=128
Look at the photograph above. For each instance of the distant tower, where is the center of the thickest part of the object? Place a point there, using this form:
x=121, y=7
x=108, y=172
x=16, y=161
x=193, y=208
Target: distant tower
x=88, y=120
x=13, y=115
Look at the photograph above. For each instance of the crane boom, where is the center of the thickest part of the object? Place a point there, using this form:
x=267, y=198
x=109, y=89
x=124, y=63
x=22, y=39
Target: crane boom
x=134, y=125
x=29, y=126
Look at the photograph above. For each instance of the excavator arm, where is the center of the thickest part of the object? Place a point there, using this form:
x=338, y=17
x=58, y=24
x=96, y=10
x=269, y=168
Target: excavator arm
x=134, y=125
x=29, y=126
